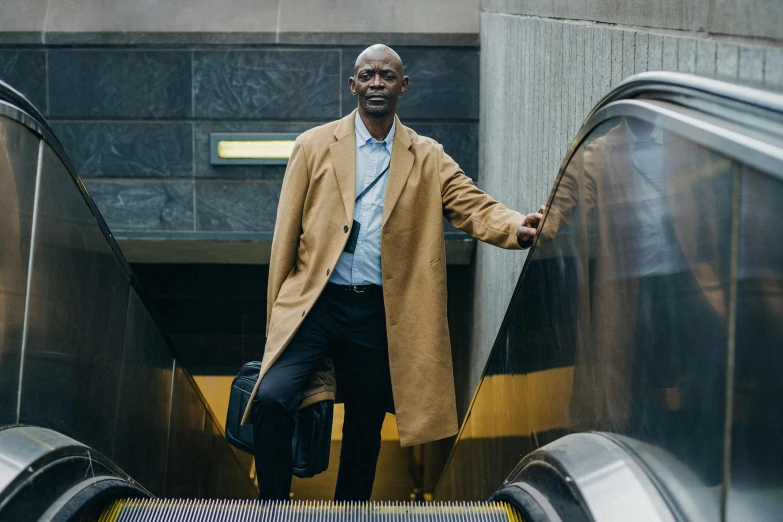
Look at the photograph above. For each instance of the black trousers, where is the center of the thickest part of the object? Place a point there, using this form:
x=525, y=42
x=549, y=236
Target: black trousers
x=351, y=328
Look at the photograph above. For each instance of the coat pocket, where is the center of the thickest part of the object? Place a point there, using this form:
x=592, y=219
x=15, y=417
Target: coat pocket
x=440, y=279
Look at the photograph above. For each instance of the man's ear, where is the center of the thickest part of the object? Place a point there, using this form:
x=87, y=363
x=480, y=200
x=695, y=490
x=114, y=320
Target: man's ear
x=404, y=85
x=352, y=85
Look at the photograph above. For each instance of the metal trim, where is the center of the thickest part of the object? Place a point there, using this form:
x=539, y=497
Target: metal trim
x=25, y=323
x=728, y=139
x=593, y=466
x=25, y=450
x=653, y=83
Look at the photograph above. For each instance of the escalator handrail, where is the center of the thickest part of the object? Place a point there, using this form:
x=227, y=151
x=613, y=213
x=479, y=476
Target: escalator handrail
x=661, y=84
x=647, y=86
x=15, y=105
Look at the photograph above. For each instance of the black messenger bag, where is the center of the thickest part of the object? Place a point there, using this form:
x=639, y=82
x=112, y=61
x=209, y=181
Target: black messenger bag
x=312, y=425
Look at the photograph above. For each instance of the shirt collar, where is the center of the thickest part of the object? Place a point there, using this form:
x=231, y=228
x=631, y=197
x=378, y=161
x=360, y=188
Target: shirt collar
x=656, y=136
x=363, y=135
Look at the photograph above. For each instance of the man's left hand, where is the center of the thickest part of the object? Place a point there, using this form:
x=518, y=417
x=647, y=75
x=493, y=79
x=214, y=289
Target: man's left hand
x=527, y=232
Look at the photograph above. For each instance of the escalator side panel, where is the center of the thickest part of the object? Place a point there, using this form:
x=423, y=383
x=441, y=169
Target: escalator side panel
x=94, y=364
x=18, y=164
x=188, y=442
x=144, y=399
x=77, y=312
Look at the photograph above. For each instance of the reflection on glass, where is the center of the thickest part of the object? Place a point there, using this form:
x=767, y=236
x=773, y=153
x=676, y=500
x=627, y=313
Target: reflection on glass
x=756, y=456
x=622, y=320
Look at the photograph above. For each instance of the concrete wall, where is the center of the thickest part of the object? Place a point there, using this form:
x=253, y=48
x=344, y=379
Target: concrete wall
x=539, y=79
x=420, y=22
x=752, y=18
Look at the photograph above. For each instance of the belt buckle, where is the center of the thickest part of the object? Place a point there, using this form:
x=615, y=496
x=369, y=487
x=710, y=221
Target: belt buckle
x=355, y=289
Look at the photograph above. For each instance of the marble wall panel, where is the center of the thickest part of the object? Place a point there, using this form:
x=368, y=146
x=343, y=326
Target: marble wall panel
x=128, y=150
x=25, y=71
x=201, y=150
x=444, y=83
x=266, y=84
x=459, y=140
x=121, y=84
x=237, y=207
x=144, y=205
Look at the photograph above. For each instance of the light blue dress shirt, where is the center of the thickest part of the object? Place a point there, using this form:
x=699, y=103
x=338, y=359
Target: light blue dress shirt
x=363, y=267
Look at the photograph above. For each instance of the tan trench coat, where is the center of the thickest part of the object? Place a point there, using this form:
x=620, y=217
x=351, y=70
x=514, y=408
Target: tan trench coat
x=313, y=223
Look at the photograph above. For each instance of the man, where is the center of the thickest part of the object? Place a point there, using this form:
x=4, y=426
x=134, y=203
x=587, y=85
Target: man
x=358, y=273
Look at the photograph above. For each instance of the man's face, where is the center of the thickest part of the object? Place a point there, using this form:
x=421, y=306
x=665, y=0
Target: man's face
x=378, y=81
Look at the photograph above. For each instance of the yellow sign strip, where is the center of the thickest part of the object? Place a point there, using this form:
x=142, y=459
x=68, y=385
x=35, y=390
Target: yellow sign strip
x=255, y=149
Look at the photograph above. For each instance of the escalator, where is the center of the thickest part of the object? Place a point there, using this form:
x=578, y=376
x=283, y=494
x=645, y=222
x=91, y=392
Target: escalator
x=635, y=375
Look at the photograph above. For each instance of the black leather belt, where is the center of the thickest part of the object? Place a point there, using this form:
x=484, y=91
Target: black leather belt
x=354, y=289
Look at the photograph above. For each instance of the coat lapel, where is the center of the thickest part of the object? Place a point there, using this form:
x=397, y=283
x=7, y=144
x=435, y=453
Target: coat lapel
x=399, y=170
x=344, y=161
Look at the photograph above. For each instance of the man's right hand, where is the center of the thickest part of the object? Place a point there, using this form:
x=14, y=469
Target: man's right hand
x=527, y=232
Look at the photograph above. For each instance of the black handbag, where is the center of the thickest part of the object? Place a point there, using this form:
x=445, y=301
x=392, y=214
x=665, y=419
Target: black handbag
x=312, y=425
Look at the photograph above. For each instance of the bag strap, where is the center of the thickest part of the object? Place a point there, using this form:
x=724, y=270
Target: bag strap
x=371, y=185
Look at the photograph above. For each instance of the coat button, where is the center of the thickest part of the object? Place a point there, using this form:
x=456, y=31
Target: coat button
x=303, y=314
x=345, y=229
x=328, y=271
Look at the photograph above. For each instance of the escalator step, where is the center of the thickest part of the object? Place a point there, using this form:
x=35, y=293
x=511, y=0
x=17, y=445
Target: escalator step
x=166, y=510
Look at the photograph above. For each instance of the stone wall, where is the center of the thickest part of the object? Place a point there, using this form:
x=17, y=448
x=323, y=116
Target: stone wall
x=136, y=122
x=750, y=18
x=539, y=79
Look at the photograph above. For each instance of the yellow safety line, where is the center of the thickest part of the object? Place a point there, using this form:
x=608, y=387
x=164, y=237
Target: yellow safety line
x=511, y=513
x=113, y=513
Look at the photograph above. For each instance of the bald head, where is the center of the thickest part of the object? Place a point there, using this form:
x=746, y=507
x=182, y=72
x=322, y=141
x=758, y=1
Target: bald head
x=379, y=51
x=378, y=80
